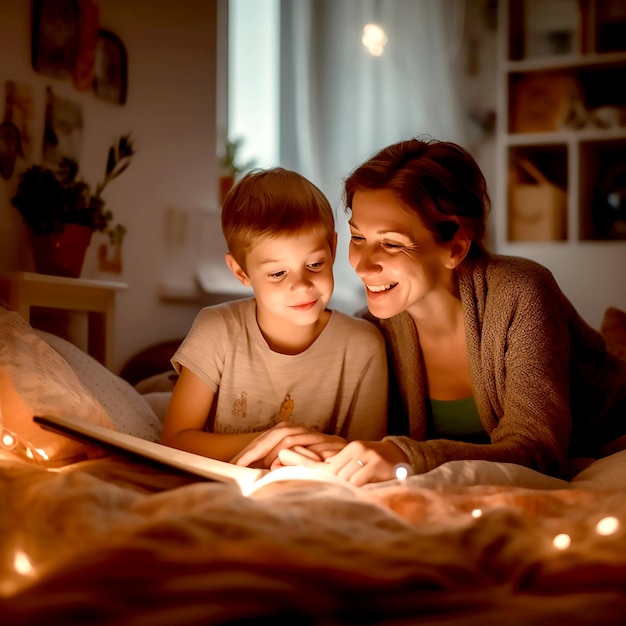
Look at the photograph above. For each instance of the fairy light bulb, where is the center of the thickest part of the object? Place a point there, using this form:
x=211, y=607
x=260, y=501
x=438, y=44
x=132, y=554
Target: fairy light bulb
x=476, y=513
x=8, y=441
x=562, y=541
x=607, y=525
x=22, y=564
x=402, y=471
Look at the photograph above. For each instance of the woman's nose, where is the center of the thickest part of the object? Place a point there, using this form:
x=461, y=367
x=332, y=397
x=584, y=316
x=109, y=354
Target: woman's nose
x=364, y=261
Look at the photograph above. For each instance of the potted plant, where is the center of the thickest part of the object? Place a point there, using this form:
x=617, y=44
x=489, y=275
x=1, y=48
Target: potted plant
x=230, y=166
x=62, y=212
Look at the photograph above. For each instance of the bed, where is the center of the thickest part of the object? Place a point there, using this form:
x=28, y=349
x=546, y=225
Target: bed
x=92, y=536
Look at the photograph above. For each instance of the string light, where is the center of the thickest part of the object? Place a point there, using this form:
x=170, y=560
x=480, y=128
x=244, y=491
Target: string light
x=21, y=448
x=8, y=441
x=22, y=563
x=562, y=541
x=607, y=525
x=402, y=471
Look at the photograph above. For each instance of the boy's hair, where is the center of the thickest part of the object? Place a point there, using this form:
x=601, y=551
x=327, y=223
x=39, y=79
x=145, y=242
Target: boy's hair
x=273, y=202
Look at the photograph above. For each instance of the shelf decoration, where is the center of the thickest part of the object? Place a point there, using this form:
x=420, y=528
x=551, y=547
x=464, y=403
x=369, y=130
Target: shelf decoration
x=542, y=102
x=537, y=207
x=552, y=28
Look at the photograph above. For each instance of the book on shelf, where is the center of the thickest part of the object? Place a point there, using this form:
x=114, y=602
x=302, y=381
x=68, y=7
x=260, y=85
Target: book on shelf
x=248, y=479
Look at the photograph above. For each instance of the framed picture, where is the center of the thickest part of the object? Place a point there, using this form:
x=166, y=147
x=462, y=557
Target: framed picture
x=54, y=42
x=111, y=69
x=89, y=24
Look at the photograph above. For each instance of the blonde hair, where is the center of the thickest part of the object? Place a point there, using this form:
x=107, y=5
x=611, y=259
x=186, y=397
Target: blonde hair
x=273, y=202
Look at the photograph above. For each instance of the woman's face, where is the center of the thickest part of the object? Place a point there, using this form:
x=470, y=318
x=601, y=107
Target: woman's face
x=401, y=265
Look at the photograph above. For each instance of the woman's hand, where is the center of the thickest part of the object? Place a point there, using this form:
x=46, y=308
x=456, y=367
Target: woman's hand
x=359, y=462
x=309, y=444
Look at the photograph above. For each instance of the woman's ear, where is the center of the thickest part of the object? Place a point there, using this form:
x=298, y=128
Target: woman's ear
x=457, y=249
x=235, y=268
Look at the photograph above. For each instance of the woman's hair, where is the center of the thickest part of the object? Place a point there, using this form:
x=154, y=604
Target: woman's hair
x=273, y=202
x=439, y=181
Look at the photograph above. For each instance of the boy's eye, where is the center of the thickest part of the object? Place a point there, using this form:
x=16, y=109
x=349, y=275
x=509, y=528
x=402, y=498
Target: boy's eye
x=277, y=275
x=316, y=266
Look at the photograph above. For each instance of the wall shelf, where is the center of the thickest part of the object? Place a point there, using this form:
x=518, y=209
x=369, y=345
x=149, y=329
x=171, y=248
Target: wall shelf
x=562, y=116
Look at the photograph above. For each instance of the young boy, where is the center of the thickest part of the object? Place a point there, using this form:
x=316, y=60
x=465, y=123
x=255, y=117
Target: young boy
x=279, y=367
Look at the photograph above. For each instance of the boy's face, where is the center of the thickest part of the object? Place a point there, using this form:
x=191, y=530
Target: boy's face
x=292, y=277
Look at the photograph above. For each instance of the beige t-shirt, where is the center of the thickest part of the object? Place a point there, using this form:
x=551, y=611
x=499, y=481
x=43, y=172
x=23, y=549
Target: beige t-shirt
x=337, y=386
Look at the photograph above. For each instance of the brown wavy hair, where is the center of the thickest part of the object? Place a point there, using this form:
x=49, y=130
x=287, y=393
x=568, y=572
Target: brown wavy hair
x=438, y=180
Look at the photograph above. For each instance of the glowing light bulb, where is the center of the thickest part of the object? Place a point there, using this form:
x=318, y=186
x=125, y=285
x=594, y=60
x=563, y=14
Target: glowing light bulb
x=22, y=563
x=562, y=541
x=477, y=513
x=374, y=39
x=8, y=441
x=402, y=471
x=607, y=525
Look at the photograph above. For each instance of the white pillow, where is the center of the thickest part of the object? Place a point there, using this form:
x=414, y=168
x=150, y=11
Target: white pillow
x=606, y=473
x=159, y=401
x=37, y=380
x=471, y=473
x=124, y=405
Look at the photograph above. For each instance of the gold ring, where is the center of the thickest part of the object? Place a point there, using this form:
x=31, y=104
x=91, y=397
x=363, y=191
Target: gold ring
x=360, y=462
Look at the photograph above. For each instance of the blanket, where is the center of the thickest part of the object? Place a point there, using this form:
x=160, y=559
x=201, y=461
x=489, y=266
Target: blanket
x=115, y=541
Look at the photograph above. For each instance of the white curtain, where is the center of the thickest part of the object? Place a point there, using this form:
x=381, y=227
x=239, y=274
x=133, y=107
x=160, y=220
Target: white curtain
x=339, y=104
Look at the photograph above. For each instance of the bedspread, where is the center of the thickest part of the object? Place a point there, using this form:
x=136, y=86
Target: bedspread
x=113, y=541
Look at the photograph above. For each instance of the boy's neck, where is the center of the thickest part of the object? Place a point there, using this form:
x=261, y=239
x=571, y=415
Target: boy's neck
x=285, y=338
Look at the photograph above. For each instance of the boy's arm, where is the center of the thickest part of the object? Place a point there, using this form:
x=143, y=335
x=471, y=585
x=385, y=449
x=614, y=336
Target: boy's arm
x=186, y=418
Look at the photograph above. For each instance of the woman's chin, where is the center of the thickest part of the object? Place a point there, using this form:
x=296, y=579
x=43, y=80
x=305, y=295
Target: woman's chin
x=380, y=309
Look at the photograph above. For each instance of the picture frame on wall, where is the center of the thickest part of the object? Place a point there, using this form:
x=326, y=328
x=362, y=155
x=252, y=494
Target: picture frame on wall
x=110, y=80
x=54, y=40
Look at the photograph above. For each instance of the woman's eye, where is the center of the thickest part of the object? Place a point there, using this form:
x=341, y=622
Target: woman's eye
x=389, y=245
x=356, y=239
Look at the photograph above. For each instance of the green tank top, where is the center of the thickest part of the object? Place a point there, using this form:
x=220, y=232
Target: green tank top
x=456, y=419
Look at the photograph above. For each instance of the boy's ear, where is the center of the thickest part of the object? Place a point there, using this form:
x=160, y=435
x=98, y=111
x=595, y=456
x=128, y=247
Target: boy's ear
x=235, y=268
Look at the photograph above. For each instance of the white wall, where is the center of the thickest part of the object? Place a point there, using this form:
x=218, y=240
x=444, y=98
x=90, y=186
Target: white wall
x=170, y=112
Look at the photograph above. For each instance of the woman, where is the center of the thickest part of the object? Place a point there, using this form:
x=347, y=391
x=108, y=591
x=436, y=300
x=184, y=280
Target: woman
x=488, y=359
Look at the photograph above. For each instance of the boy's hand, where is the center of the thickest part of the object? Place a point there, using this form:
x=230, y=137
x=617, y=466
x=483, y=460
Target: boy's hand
x=265, y=448
x=359, y=462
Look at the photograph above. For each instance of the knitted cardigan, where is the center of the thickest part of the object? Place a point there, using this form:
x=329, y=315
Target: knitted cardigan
x=544, y=384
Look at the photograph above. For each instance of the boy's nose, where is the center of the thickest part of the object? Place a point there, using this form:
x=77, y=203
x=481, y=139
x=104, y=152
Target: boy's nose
x=301, y=281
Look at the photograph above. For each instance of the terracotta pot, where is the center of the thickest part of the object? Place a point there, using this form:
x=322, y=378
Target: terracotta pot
x=62, y=254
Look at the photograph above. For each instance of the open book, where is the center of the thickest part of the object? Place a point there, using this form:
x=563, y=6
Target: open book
x=248, y=479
